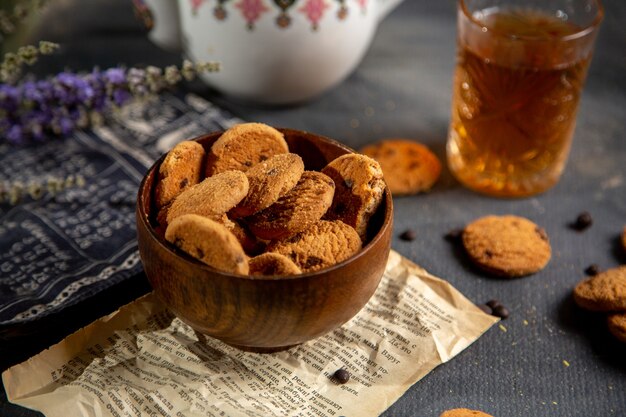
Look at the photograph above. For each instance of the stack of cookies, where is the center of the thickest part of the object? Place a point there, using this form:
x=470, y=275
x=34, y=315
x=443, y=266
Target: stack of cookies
x=606, y=292
x=248, y=206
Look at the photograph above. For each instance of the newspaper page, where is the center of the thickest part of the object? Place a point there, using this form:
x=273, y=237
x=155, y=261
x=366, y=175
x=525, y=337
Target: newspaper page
x=144, y=361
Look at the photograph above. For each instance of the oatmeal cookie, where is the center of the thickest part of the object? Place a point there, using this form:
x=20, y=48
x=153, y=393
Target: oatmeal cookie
x=359, y=190
x=603, y=292
x=212, y=197
x=271, y=264
x=180, y=169
x=243, y=146
x=301, y=207
x=269, y=180
x=409, y=167
x=508, y=246
x=323, y=244
x=209, y=242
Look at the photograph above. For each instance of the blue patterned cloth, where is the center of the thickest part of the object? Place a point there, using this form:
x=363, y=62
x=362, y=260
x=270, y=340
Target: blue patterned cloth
x=67, y=246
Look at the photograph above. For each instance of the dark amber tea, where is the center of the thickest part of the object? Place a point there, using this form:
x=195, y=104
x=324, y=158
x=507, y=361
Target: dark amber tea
x=517, y=85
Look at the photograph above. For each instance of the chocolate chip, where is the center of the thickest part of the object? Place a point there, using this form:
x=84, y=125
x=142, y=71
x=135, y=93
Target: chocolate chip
x=183, y=183
x=488, y=254
x=493, y=303
x=342, y=376
x=583, y=221
x=408, y=235
x=501, y=311
x=541, y=233
x=592, y=270
x=313, y=261
x=454, y=235
x=485, y=308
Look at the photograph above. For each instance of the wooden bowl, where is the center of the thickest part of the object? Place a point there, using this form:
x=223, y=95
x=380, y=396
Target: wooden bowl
x=264, y=314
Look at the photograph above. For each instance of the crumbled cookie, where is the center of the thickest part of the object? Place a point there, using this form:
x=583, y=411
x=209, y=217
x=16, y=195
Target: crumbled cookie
x=603, y=292
x=359, y=190
x=617, y=325
x=464, y=412
x=243, y=146
x=323, y=244
x=209, y=242
x=508, y=246
x=409, y=167
x=301, y=207
x=212, y=197
x=272, y=264
x=180, y=170
x=269, y=180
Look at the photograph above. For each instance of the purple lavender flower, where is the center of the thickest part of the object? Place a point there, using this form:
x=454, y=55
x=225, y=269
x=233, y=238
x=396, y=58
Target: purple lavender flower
x=59, y=105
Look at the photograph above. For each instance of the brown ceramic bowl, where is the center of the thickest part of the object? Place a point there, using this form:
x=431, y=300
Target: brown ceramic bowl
x=264, y=313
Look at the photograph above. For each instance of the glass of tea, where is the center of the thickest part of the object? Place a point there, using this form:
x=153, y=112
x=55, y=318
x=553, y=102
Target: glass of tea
x=520, y=71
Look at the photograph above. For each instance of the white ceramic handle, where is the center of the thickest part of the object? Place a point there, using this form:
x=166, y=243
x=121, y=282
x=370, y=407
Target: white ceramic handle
x=386, y=6
x=166, y=31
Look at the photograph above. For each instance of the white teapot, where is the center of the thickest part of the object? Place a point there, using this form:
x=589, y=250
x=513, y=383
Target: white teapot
x=271, y=51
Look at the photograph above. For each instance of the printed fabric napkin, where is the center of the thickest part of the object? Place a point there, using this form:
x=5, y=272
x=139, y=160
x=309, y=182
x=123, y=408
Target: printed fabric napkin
x=71, y=232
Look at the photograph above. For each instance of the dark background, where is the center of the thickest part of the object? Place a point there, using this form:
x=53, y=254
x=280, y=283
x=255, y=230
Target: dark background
x=406, y=80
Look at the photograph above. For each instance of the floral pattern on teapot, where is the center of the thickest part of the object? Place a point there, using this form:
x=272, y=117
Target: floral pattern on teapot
x=253, y=10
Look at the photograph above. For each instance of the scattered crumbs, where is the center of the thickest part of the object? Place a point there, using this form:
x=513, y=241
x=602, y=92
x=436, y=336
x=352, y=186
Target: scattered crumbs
x=566, y=363
x=390, y=105
x=502, y=328
x=610, y=387
x=354, y=123
x=555, y=403
x=525, y=322
x=543, y=402
x=369, y=111
x=514, y=343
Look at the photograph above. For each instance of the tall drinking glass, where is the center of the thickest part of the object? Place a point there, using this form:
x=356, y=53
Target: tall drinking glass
x=520, y=70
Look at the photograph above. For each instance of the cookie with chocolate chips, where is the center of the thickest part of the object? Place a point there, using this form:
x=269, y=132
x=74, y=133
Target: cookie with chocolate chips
x=272, y=264
x=180, y=170
x=269, y=180
x=212, y=197
x=243, y=146
x=603, y=292
x=359, y=190
x=323, y=244
x=508, y=246
x=301, y=207
x=408, y=166
x=209, y=242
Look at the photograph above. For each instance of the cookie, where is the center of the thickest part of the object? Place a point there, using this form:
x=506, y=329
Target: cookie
x=212, y=197
x=209, y=242
x=409, y=167
x=301, y=207
x=603, y=292
x=464, y=412
x=243, y=146
x=272, y=264
x=180, y=169
x=323, y=244
x=269, y=180
x=359, y=190
x=508, y=246
x=617, y=325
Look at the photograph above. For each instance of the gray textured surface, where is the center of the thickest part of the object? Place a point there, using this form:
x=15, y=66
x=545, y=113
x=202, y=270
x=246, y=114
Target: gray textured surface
x=403, y=89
